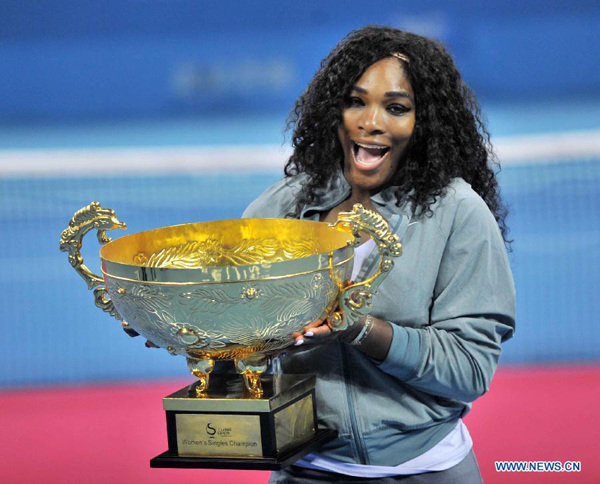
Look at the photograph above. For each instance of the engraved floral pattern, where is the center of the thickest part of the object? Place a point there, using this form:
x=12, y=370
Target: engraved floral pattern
x=252, y=251
x=193, y=337
x=140, y=259
x=208, y=300
x=188, y=255
x=317, y=281
x=212, y=252
x=295, y=299
x=143, y=297
x=298, y=248
x=250, y=293
x=224, y=320
x=255, y=331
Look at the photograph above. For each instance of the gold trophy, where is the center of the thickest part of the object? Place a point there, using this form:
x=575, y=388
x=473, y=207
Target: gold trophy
x=233, y=290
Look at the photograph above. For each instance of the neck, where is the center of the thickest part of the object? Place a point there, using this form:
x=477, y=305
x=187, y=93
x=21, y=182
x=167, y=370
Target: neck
x=358, y=196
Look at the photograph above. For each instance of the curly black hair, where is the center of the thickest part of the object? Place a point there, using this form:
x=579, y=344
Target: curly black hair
x=449, y=140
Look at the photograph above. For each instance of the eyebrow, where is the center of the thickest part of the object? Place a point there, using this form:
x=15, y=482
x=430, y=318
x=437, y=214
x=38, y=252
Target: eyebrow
x=387, y=94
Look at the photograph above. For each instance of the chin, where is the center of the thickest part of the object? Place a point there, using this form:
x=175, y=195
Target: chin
x=368, y=182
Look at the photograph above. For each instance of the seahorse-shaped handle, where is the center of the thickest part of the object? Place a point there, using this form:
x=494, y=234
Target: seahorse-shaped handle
x=355, y=299
x=91, y=217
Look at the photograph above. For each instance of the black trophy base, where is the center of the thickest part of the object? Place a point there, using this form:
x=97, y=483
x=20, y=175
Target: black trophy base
x=277, y=462
x=226, y=428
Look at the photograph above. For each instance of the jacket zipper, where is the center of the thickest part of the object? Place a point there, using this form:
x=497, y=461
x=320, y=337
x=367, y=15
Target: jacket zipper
x=360, y=446
x=346, y=368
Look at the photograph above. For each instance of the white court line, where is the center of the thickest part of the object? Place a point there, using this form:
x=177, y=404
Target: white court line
x=141, y=160
x=542, y=148
x=548, y=147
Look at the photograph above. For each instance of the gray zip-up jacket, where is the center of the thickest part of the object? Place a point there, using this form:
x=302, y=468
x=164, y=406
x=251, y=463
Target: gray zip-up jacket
x=451, y=301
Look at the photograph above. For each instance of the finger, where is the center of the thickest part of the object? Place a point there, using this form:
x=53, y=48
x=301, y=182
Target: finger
x=311, y=326
x=321, y=331
x=128, y=329
x=298, y=336
x=310, y=331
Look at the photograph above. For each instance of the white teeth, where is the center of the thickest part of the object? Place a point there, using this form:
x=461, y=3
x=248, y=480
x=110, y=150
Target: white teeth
x=372, y=147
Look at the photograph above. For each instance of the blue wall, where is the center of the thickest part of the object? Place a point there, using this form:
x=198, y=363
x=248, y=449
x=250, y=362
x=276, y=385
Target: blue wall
x=73, y=59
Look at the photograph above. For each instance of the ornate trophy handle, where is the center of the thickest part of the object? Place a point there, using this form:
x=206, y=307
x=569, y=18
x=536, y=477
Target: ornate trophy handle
x=355, y=299
x=91, y=217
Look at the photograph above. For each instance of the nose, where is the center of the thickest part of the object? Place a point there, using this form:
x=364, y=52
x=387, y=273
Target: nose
x=371, y=120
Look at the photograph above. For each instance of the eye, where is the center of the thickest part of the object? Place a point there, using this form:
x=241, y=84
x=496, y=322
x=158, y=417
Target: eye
x=354, y=102
x=397, y=109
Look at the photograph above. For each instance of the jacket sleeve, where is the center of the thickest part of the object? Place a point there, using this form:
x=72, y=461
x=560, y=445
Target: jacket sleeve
x=472, y=313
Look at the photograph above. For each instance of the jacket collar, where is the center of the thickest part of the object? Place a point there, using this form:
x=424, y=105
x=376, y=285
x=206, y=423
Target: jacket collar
x=339, y=190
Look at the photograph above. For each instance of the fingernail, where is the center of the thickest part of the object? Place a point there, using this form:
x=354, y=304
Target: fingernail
x=309, y=334
x=299, y=342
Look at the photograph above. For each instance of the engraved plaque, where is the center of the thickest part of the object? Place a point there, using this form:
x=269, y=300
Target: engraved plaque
x=218, y=435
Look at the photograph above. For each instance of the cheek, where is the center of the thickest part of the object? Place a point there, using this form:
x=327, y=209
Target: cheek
x=405, y=130
x=410, y=127
x=344, y=135
x=349, y=121
x=413, y=123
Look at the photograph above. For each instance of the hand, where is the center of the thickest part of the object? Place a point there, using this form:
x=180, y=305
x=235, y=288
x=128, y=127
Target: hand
x=375, y=342
x=131, y=332
x=320, y=332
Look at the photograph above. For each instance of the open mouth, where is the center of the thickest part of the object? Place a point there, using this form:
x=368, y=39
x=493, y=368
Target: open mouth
x=369, y=156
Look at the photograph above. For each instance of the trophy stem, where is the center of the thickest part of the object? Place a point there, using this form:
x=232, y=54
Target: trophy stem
x=201, y=369
x=251, y=369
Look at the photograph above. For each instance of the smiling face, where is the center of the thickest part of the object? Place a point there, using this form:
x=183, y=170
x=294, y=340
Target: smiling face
x=378, y=122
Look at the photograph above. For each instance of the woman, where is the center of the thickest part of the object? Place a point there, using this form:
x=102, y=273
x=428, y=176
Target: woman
x=387, y=122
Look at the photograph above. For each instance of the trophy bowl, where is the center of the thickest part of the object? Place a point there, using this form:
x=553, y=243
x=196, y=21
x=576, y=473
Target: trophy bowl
x=231, y=289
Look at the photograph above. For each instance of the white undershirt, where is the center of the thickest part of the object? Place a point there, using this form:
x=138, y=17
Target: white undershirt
x=360, y=254
x=450, y=451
